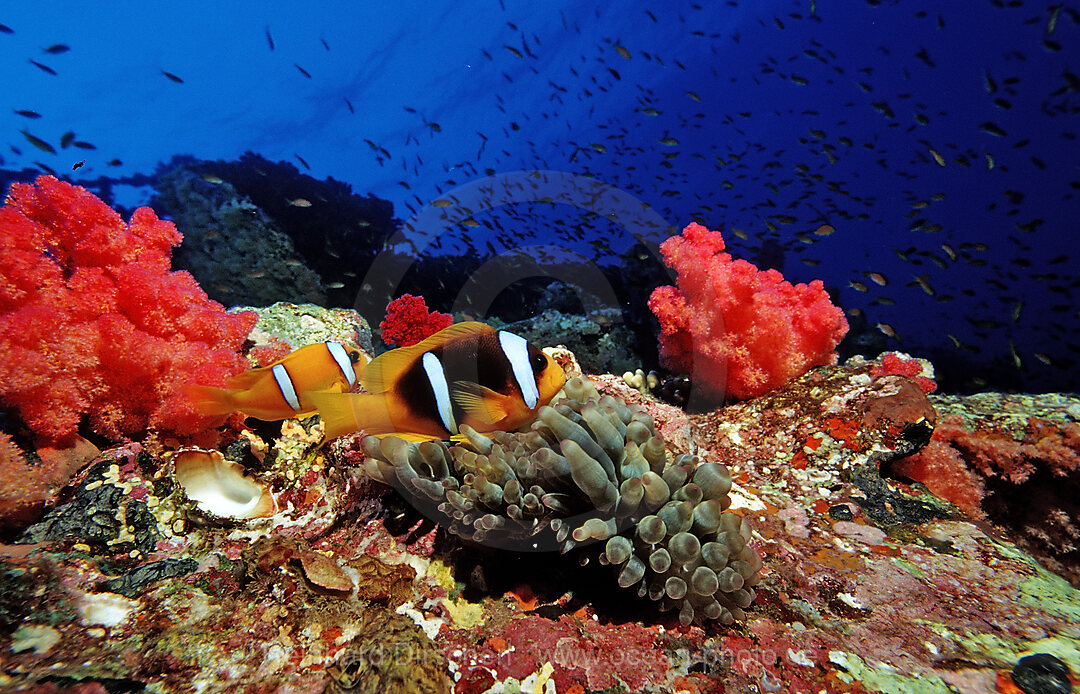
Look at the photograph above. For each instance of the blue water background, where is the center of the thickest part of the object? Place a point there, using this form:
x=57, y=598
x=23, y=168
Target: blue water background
x=780, y=109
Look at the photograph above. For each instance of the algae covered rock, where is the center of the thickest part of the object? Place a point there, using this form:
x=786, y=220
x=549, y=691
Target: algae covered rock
x=235, y=251
x=600, y=344
x=297, y=325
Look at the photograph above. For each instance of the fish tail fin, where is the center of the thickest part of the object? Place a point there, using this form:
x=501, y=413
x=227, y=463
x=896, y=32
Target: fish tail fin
x=211, y=401
x=347, y=413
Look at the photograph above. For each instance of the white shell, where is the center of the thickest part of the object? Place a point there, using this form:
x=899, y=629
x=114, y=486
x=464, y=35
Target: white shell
x=220, y=487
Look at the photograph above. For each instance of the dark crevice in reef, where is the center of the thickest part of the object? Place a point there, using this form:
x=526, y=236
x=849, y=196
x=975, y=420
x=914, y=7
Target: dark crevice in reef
x=1042, y=515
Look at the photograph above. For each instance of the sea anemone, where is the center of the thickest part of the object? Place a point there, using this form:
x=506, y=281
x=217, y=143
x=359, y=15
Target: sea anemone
x=590, y=469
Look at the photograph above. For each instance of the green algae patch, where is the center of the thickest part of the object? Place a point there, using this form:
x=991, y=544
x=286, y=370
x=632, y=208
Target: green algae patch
x=1047, y=592
x=910, y=568
x=883, y=678
x=1007, y=652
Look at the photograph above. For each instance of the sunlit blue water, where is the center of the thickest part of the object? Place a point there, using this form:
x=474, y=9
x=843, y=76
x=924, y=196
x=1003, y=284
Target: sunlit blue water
x=939, y=139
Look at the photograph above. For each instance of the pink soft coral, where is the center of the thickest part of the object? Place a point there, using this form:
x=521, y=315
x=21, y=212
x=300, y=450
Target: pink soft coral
x=408, y=321
x=739, y=331
x=94, y=324
x=942, y=469
x=900, y=364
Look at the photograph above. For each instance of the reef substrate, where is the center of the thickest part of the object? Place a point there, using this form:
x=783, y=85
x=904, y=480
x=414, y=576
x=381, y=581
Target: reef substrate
x=869, y=582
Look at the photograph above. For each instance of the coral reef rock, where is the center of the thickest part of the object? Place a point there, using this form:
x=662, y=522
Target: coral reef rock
x=292, y=326
x=870, y=582
x=598, y=342
x=1013, y=460
x=235, y=251
x=335, y=231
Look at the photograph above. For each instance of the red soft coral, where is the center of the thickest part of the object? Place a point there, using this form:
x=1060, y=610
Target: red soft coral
x=737, y=330
x=94, y=324
x=274, y=349
x=900, y=364
x=942, y=469
x=408, y=321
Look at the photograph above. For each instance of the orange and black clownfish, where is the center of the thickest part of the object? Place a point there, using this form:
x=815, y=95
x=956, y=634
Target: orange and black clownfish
x=468, y=373
x=283, y=389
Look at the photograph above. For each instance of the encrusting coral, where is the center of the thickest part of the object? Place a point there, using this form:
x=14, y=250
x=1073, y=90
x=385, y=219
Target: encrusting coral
x=591, y=469
x=1016, y=466
x=899, y=364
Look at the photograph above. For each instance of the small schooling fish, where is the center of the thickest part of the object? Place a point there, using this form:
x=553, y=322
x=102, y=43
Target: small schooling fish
x=469, y=373
x=283, y=389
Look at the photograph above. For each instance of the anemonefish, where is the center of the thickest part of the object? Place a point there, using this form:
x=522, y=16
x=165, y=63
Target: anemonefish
x=283, y=389
x=468, y=373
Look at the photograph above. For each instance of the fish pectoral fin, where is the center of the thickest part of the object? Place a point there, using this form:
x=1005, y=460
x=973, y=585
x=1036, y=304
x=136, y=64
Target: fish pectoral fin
x=479, y=402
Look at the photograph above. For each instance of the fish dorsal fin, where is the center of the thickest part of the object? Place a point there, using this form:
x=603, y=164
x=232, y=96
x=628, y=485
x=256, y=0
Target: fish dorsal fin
x=384, y=370
x=248, y=379
x=479, y=402
x=454, y=332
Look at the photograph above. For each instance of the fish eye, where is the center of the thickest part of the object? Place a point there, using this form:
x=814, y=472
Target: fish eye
x=354, y=355
x=538, y=362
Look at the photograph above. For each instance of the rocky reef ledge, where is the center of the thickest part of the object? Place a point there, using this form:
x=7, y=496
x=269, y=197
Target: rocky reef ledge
x=301, y=574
